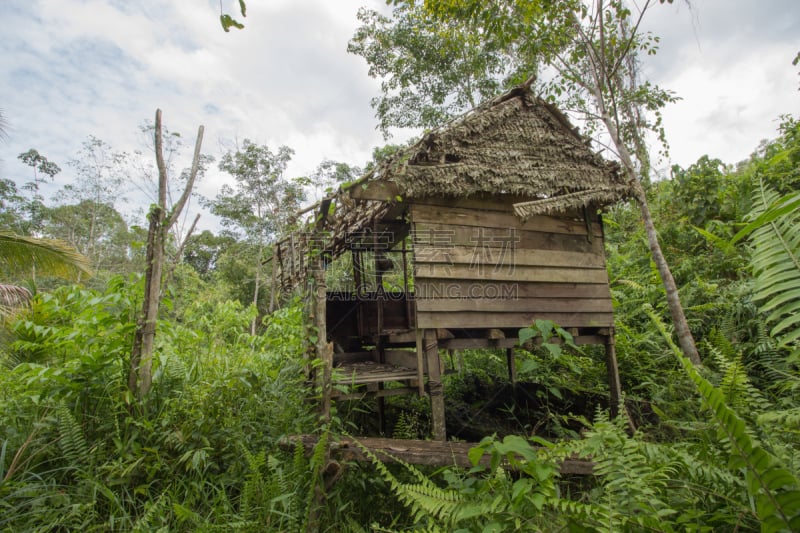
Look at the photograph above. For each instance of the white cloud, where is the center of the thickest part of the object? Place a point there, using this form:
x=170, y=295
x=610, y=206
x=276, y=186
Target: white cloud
x=730, y=63
x=71, y=68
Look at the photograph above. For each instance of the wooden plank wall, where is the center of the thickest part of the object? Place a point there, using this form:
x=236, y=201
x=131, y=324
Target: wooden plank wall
x=476, y=265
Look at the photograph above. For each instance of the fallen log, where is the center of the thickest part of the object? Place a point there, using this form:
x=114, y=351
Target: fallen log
x=417, y=452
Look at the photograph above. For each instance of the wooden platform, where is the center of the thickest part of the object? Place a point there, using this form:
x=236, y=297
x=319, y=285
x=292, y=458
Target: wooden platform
x=371, y=372
x=418, y=452
x=367, y=379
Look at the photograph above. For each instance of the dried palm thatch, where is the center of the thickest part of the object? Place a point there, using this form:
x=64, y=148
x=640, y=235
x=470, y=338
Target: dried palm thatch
x=13, y=297
x=516, y=144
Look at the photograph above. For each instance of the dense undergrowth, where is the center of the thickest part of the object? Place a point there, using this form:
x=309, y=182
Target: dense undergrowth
x=715, y=448
x=78, y=452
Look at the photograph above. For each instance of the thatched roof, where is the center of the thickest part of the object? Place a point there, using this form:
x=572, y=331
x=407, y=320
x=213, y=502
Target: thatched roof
x=516, y=144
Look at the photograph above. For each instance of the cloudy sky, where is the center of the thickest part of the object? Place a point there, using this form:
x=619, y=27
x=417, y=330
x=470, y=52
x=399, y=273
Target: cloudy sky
x=74, y=68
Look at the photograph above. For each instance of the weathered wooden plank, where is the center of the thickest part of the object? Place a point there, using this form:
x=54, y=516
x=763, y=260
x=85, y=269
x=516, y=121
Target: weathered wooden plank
x=384, y=191
x=495, y=219
x=448, y=288
x=518, y=273
x=470, y=319
x=419, y=452
x=443, y=235
x=518, y=305
x=504, y=258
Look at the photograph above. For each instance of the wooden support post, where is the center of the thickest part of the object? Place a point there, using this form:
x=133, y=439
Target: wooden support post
x=323, y=348
x=420, y=362
x=614, y=385
x=512, y=366
x=381, y=412
x=324, y=351
x=435, y=387
x=292, y=259
x=404, y=253
x=281, y=272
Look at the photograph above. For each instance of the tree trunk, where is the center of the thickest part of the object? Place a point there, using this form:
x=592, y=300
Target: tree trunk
x=255, y=291
x=274, y=278
x=682, y=330
x=140, y=376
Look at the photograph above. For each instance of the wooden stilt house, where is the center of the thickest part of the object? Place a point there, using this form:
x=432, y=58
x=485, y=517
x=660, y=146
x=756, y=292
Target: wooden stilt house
x=458, y=241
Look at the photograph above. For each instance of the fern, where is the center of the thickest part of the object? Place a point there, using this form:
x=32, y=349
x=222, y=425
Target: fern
x=775, y=490
x=735, y=384
x=315, y=466
x=788, y=418
x=70, y=437
x=252, y=491
x=153, y=513
x=424, y=498
x=776, y=262
x=407, y=426
x=634, y=479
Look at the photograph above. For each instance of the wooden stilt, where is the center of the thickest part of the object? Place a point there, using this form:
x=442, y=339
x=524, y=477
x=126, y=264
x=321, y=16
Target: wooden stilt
x=512, y=366
x=381, y=412
x=324, y=351
x=420, y=362
x=323, y=348
x=435, y=387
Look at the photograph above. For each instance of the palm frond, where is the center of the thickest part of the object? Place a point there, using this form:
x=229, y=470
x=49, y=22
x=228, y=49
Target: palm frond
x=776, y=264
x=50, y=257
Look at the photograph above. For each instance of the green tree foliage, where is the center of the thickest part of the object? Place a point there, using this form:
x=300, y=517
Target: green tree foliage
x=12, y=207
x=94, y=191
x=329, y=175
x=430, y=70
x=204, y=250
x=98, y=231
x=778, y=162
x=699, y=187
x=261, y=205
x=43, y=170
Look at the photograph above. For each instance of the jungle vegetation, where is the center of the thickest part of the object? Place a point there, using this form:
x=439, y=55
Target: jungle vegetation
x=702, y=447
